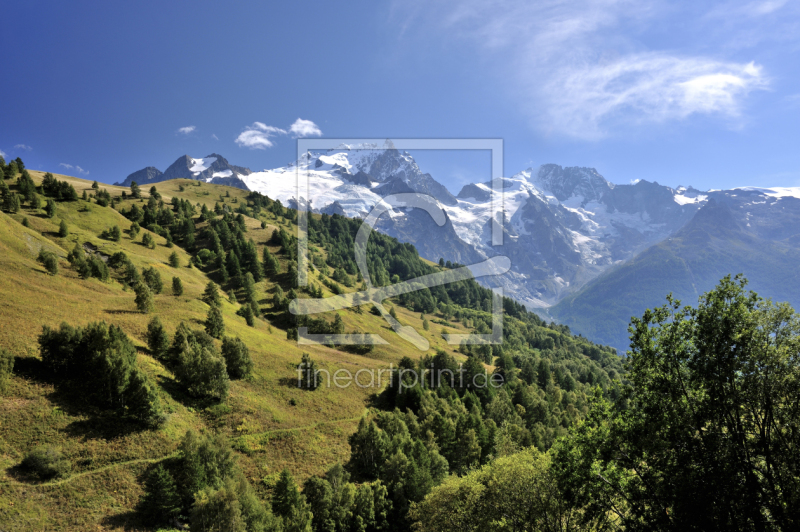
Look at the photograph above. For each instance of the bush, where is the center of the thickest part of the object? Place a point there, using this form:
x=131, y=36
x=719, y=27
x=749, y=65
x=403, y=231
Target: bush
x=237, y=358
x=134, y=230
x=174, y=260
x=114, y=234
x=46, y=462
x=6, y=367
x=177, y=286
x=49, y=260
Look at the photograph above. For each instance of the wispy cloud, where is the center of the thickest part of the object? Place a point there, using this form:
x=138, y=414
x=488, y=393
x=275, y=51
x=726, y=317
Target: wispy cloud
x=3, y=154
x=259, y=135
x=579, y=68
x=213, y=136
x=304, y=128
x=22, y=147
x=186, y=130
x=76, y=168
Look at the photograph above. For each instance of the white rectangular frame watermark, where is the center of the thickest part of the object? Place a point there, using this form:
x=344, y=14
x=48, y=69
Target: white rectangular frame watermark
x=306, y=146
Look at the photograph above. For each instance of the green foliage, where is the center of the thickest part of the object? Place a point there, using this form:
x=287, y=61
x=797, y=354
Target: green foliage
x=157, y=339
x=59, y=190
x=152, y=277
x=63, y=230
x=25, y=222
x=6, y=368
x=49, y=260
x=136, y=191
x=197, y=364
x=211, y=295
x=704, y=437
x=177, y=286
x=144, y=298
x=308, y=373
x=215, y=325
x=517, y=492
x=50, y=208
x=100, y=361
x=174, y=260
x=46, y=462
x=134, y=230
x=113, y=233
x=148, y=240
x=237, y=358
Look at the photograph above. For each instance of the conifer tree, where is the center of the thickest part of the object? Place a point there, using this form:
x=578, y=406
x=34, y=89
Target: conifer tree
x=215, y=325
x=177, y=286
x=157, y=339
x=152, y=277
x=136, y=192
x=11, y=203
x=174, y=260
x=237, y=358
x=144, y=298
x=50, y=209
x=211, y=295
x=49, y=260
x=161, y=501
x=149, y=241
x=134, y=230
x=63, y=230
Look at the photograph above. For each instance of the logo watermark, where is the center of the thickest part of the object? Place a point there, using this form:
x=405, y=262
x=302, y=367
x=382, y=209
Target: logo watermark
x=377, y=295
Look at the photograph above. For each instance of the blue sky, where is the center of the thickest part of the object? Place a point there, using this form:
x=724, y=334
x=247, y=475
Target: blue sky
x=698, y=93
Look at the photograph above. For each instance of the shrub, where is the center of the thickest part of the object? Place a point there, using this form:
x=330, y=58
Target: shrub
x=237, y=358
x=174, y=260
x=177, y=286
x=6, y=367
x=246, y=311
x=114, y=234
x=46, y=462
x=49, y=260
x=134, y=230
x=25, y=222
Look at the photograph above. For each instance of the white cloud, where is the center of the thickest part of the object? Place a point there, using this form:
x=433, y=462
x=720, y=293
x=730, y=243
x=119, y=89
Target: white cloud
x=304, y=128
x=580, y=68
x=76, y=168
x=259, y=135
x=213, y=136
x=22, y=147
x=186, y=130
x=3, y=154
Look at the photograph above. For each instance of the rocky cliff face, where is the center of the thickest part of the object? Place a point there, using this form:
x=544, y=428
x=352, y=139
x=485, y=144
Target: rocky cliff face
x=212, y=169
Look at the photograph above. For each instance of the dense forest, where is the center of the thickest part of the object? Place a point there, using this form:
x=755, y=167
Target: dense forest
x=695, y=429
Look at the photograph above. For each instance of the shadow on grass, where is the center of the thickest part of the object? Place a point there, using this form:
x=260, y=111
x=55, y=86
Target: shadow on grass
x=177, y=392
x=120, y=311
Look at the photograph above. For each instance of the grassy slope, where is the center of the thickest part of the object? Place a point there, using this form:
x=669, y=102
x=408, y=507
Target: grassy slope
x=271, y=423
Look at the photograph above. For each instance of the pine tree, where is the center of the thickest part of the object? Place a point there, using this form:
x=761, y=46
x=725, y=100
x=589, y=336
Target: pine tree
x=161, y=501
x=11, y=203
x=285, y=496
x=237, y=358
x=136, y=192
x=134, y=230
x=115, y=234
x=247, y=313
x=144, y=298
x=95, y=185
x=152, y=277
x=177, y=286
x=308, y=377
x=211, y=295
x=50, y=209
x=215, y=326
x=174, y=260
x=149, y=241
x=157, y=339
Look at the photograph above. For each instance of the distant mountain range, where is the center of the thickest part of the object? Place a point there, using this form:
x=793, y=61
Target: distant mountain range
x=584, y=251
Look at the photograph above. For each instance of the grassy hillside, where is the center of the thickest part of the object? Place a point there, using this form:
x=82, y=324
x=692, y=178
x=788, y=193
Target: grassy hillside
x=270, y=423
x=692, y=262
